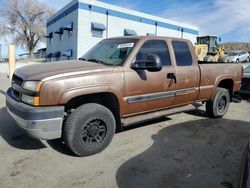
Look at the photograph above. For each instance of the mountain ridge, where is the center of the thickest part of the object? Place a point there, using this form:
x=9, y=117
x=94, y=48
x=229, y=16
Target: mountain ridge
x=234, y=46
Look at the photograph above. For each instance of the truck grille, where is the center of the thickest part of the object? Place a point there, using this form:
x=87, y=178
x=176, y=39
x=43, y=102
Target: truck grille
x=14, y=93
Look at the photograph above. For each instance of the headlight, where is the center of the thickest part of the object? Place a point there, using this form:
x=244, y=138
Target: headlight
x=31, y=96
x=30, y=85
x=34, y=101
x=28, y=99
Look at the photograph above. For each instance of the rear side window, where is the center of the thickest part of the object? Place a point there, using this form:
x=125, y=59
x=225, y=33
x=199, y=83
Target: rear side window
x=158, y=47
x=182, y=53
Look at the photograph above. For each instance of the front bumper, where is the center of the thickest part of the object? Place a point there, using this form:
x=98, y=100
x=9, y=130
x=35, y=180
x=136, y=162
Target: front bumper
x=38, y=122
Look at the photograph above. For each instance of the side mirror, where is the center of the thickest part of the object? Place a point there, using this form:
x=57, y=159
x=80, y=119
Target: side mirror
x=152, y=64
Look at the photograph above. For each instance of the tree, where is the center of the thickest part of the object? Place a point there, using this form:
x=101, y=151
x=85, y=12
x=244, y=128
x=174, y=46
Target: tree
x=24, y=22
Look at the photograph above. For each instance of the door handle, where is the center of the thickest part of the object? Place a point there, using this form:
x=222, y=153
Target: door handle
x=172, y=77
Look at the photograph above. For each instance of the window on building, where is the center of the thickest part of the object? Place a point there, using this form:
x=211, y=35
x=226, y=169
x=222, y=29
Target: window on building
x=158, y=47
x=59, y=32
x=49, y=56
x=57, y=55
x=97, y=29
x=68, y=54
x=69, y=29
x=183, y=56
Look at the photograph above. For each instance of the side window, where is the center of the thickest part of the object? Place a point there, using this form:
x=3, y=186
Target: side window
x=158, y=47
x=242, y=53
x=182, y=53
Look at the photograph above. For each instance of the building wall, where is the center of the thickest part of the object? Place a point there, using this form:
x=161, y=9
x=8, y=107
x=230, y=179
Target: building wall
x=85, y=39
x=84, y=12
x=68, y=39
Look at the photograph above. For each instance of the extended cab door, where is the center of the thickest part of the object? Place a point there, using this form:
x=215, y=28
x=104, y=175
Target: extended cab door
x=187, y=72
x=148, y=91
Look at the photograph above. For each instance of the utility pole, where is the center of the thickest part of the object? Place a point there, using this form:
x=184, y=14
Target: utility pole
x=182, y=31
x=12, y=61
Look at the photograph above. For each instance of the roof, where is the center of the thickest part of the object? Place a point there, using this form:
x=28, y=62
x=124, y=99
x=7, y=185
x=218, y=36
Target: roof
x=103, y=8
x=147, y=37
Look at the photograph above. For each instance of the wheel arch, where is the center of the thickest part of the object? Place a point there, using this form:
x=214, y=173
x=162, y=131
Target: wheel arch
x=107, y=99
x=227, y=83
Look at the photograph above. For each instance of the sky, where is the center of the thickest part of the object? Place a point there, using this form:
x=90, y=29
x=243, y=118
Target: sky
x=228, y=19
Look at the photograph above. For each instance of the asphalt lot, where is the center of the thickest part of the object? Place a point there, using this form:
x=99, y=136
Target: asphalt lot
x=182, y=150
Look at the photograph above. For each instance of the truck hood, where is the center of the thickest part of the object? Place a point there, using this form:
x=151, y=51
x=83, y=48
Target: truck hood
x=59, y=69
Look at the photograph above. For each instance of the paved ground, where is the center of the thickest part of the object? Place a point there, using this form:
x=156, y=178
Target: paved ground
x=183, y=150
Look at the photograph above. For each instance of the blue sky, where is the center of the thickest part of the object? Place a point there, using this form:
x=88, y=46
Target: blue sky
x=229, y=19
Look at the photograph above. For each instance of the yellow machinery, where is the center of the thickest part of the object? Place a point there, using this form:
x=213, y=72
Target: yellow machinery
x=207, y=49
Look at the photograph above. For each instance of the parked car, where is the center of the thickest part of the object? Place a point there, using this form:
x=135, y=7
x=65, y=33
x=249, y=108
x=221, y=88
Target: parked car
x=237, y=57
x=245, y=83
x=119, y=82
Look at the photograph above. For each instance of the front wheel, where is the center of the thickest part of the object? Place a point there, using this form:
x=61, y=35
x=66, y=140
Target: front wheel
x=217, y=107
x=89, y=129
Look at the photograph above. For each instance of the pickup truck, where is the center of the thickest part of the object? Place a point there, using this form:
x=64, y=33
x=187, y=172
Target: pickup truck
x=119, y=82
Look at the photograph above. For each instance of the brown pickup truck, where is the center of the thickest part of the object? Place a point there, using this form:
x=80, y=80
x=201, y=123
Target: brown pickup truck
x=118, y=82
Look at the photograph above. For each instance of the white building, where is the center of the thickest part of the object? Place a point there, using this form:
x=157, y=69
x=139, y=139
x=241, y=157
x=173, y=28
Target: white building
x=81, y=24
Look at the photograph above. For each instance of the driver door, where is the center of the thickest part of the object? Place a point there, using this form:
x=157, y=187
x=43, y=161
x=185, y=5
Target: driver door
x=145, y=90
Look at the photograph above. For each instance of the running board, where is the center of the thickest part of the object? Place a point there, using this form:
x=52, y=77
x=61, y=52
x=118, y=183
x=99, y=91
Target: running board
x=153, y=115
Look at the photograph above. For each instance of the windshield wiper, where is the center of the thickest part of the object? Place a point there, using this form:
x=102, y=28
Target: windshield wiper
x=96, y=61
x=82, y=59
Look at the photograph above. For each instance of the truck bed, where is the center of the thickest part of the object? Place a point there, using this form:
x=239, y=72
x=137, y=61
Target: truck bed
x=213, y=72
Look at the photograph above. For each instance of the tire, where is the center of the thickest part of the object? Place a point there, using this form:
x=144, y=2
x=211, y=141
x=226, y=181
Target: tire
x=89, y=129
x=217, y=107
x=237, y=61
x=248, y=59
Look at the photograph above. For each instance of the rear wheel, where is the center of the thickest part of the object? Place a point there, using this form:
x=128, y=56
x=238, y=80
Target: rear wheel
x=217, y=107
x=237, y=60
x=248, y=59
x=89, y=129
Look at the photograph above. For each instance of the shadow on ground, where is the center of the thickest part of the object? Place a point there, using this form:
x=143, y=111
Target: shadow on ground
x=60, y=147
x=203, y=153
x=146, y=123
x=14, y=136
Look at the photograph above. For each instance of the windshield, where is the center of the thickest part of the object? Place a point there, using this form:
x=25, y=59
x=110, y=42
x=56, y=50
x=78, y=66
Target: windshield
x=232, y=53
x=112, y=52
